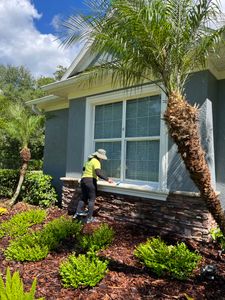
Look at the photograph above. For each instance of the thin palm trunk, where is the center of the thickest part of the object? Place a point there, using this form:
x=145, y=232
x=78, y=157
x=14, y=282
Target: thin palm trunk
x=182, y=121
x=25, y=155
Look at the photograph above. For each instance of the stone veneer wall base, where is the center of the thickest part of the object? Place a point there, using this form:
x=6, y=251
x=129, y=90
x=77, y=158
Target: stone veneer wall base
x=183, y=216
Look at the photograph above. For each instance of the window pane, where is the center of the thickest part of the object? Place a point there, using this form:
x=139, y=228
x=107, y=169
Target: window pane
x=108, y=120
x=142, y=160
x=143, y=117
x=112, y=165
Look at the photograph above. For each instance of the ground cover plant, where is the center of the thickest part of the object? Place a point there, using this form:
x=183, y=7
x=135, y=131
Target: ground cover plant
x=12, y=288
x=83, y=270
x=176, y=261
x=97, y=240
x=19, y=223
x=126, y=278
x=36, y=245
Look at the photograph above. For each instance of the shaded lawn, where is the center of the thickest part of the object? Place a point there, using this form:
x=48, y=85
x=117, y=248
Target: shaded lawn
x=127, y=278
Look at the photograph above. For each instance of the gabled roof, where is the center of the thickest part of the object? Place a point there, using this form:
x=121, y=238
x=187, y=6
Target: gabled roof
x=82, y=61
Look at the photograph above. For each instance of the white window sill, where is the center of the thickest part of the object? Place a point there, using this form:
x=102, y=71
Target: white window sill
x=145, y=191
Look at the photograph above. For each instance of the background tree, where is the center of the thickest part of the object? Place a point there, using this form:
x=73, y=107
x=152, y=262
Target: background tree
x=145, y=40
x=18, y=85
x=21, y=125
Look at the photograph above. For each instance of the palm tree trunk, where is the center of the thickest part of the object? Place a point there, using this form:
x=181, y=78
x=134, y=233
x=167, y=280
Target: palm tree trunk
x=182, y=121
x=25, y=155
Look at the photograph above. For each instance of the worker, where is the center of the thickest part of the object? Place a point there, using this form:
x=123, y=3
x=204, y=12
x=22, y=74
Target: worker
x=91, y=172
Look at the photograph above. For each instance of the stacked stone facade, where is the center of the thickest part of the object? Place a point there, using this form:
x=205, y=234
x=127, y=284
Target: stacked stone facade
x=183, y=216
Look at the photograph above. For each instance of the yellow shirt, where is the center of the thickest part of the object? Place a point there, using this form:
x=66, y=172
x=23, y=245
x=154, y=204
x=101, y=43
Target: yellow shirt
x=90, y=167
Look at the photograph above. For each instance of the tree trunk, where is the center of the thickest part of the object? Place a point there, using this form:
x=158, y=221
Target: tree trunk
x=183, y=124
x=25, y=155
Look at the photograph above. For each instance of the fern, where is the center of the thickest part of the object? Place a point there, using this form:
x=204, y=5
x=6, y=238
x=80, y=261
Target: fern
x=13, y=288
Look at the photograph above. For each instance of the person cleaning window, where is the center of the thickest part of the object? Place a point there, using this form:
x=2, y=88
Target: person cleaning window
x=91, y=172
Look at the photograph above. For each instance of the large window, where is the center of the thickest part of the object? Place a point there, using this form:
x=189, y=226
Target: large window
x=129, y=130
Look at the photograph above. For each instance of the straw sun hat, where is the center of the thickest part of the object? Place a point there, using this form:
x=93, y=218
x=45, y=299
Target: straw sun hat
x=100, y=153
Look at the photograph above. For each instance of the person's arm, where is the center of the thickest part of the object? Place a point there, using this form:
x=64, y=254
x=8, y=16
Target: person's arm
x=100, y=174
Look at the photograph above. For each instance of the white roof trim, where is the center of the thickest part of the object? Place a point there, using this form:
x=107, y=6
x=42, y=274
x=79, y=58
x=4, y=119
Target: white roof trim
x=43, y=99
x=79, y=61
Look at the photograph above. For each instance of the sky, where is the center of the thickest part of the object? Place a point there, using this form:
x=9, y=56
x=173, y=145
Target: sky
x=28, y=34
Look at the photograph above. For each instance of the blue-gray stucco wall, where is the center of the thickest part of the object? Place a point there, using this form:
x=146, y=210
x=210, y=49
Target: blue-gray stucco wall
x=75, y=142
x=200, y=86
x=56, y=146
x=65, y=131
x=220, y=140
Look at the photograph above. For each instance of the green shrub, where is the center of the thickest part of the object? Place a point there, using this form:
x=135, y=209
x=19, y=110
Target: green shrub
x=99, y=239
x=13, y=289
x=36, y=245
x=83, y=271
x=36, y=189
x=218, y=236
x=176, y=261
x=19, y=224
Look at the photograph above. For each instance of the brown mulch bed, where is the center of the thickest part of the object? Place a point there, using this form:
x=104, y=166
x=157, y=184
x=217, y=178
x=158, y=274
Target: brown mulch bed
x=127, y=278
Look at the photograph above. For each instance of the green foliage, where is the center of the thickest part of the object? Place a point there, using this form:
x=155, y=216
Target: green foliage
x=218, y=236
x=176, y=261
x=13, y=288
x=82, y=271
x=36, y=245
x=19, y=224
x=36, y=189
x=99, y=239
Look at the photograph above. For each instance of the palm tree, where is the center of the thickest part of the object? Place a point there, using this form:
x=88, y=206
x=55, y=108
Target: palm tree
x=146, y=40
x=20, y=124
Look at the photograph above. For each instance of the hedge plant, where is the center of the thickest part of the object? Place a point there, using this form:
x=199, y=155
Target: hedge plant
x=36, y=245
x=13, y=288
x=175, y=261
x=19, y=223
x=36, y=189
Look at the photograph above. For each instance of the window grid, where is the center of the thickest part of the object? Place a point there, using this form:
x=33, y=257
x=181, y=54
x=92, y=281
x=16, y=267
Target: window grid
x=124, y=140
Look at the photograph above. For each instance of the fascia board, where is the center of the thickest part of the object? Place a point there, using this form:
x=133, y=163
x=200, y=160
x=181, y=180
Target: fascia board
x=43, y=99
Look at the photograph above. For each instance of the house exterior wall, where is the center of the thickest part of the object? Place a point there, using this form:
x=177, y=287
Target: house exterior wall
x=75, y=140
x=55, y=146
x=200, y=86
x=220, y=141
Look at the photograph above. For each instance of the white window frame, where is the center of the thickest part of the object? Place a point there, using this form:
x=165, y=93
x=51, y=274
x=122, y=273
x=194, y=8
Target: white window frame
x=151, y=190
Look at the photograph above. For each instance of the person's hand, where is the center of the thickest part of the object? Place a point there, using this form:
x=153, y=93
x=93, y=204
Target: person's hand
x=110, y=181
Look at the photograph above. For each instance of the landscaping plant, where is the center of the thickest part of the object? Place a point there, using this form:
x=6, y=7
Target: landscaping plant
x=218, y=236
x=36, y=188
x=99, y=239
x=35, y=246
x=19, y=224
x=13, y=288
x=82, y=271
x=175, y=261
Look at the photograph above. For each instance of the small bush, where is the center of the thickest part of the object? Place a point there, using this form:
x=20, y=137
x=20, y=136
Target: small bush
x=218, y=236
x=13, y=288
x=36, y=245
x=36, y=189
x=99, y=239
x=176, y=261
x=82, y=271
x=19, y=224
